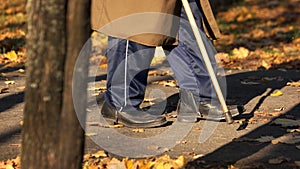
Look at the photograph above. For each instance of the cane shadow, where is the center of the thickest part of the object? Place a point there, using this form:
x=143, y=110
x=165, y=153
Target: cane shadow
x=242, y=152
x=254, y=154
x=244, y=87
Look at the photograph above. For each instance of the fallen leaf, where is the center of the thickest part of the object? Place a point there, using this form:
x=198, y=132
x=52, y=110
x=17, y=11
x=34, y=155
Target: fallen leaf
x=197, y=156
x=152, y=73
x=107, y=126
x=275, y=141
x=170, y=83
x=278, y=160
x=277, y=93
x=279, y=109
x=139, y=130
x=293, y=130
x=21, y=70
x=90, y=134
x=12, y=56
x=116, y=126
x=181, y=142
x=10, y=82
x=99, y=154
x=293, y=84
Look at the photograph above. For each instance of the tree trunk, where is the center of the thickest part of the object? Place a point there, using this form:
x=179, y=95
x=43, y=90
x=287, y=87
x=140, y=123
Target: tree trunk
x=52, y=136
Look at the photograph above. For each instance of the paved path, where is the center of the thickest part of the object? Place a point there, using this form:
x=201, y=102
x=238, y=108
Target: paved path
x=218, y=142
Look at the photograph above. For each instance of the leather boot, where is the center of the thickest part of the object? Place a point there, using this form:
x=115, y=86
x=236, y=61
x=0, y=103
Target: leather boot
x=213, y=111
x=135, y=119
x=187, y=107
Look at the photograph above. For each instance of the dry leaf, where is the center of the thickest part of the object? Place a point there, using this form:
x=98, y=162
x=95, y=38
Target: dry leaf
x=138, y=130
x=293, y=84
x=181, y=142
x=90, y=134
x=99, y=154
x=107, y=126
x=277, y=93
x=152, y=73
x=10, y=82
x=197, y=156
x=275, y=141
x=21, y=70
x=293, y=130
x=279, y=109
x=12, y=56
x=170, y=83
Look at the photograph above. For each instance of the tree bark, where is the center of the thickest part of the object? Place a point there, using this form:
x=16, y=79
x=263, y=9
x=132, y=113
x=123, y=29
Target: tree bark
x=52, y=136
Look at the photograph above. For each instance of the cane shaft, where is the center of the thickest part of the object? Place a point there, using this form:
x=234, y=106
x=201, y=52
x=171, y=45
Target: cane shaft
x=206, y=59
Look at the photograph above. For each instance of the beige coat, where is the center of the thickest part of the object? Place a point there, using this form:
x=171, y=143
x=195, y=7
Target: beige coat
x=149, y=22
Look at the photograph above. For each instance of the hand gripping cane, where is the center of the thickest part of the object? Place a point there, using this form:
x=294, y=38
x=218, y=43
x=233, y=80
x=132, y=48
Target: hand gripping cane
x=207, y=62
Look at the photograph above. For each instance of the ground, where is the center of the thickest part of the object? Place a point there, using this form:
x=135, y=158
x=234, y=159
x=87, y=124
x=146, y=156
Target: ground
x=260, y=55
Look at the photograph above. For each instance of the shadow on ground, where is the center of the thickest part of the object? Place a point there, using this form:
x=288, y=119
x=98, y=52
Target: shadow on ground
x=251, y=154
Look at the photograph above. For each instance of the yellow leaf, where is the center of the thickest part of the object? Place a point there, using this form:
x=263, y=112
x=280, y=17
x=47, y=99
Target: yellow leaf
x=293, y=84
x=9, y=82
x=100, y=154
x=180, y=161
x=139, y=130
x=277, y=93
x=90, y=134
x=12, y=56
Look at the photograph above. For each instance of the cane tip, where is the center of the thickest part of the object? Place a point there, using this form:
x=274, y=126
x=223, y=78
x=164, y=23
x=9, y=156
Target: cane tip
x=228, y=117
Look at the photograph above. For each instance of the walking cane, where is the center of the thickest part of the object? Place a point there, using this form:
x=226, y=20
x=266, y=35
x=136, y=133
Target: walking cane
x=207, y=62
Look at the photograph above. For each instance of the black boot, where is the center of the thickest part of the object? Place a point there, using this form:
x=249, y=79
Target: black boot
x=135, y=119
x=213, y=111
x=187, y=107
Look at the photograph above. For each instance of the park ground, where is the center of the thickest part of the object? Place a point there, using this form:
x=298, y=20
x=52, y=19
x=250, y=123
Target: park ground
x=260, y=53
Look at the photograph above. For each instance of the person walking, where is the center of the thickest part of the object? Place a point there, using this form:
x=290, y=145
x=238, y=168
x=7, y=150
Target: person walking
x=135, y=28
